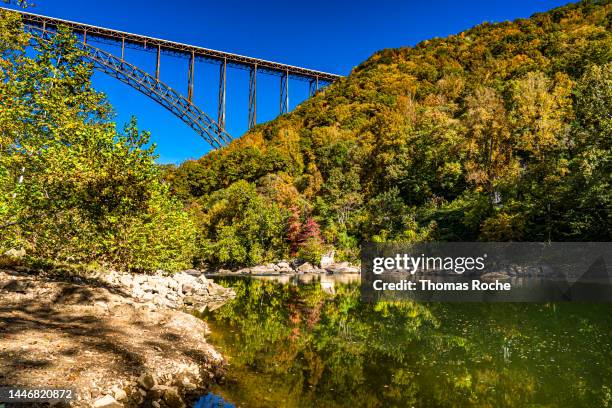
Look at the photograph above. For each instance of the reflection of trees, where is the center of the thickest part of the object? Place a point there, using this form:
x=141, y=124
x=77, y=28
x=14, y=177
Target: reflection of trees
x=298, y=346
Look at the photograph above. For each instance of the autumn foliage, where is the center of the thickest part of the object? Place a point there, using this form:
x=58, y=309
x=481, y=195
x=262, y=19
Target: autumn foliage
x=501, y=132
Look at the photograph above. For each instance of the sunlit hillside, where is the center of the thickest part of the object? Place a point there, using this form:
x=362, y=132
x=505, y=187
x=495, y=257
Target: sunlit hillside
x=501, y=132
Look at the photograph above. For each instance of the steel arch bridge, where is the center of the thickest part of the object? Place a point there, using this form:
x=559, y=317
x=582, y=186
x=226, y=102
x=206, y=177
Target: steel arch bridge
x=213, y=131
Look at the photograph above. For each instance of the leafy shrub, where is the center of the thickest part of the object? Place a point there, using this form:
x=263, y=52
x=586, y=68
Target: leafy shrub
x=238, y=226
x=503, y=227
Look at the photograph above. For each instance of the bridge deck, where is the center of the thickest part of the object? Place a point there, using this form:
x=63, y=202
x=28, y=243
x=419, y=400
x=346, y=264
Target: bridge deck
x=154, y=44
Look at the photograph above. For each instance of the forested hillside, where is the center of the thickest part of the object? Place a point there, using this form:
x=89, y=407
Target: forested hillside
x=502, y=132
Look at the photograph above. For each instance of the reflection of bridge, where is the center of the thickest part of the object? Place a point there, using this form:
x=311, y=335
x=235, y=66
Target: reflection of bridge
x=150, y=84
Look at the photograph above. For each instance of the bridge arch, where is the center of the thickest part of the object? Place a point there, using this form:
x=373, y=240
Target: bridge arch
x=43, y=28
x=145, y=83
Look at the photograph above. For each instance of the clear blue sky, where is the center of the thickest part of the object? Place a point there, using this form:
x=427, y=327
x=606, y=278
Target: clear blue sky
x=327, y=35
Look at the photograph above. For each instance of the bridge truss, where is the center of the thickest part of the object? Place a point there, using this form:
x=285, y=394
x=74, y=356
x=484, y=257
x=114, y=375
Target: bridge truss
x=44, y=28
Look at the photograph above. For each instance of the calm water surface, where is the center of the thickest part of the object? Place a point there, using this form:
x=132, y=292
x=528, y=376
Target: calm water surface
x=312, y=343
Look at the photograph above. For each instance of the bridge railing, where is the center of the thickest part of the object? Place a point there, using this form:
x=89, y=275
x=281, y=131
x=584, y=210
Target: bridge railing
x=155, y=44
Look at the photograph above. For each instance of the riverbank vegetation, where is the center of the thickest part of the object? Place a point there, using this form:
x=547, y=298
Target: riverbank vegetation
x=501, y=132
x=73, y=188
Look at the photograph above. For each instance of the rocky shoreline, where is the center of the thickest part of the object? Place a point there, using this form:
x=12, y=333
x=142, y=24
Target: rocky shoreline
x=118, y=340
x=188, y=289
x=288, y=268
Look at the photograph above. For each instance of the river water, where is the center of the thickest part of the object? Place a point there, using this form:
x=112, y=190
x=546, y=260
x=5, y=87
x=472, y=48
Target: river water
x=309, y=341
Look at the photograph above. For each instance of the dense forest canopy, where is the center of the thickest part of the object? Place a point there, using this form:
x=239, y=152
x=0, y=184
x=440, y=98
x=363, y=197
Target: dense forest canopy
x=502, y=132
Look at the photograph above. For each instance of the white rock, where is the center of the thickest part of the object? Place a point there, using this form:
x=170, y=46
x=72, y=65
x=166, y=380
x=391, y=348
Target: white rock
x=119, y=393
x=138, y=279
x=183, y=277
x=262, y=269
x=160, y=288
x=161, y=301
x=107, y=401
x=126, y=280
x=306, y=267
x=137, y=291
x=172, y=284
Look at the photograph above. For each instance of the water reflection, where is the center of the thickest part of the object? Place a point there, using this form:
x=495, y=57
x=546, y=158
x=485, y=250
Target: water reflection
x=308, y=341
x=326, y=282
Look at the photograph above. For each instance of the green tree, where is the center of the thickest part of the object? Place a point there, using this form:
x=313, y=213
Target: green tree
x=73, y=188
x=240, y=227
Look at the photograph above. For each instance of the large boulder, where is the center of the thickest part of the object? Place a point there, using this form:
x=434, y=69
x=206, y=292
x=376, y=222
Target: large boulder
x=342, y=267
x=173, y=398
x=147, y=381
x=306, y=267
x=263, y=270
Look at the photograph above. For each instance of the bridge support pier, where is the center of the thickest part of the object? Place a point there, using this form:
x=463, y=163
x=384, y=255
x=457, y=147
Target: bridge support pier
x=190, y=77
x=253, y=97
x=314, y=87
x=284, y=92
x=222, y=80
x=157, y=63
